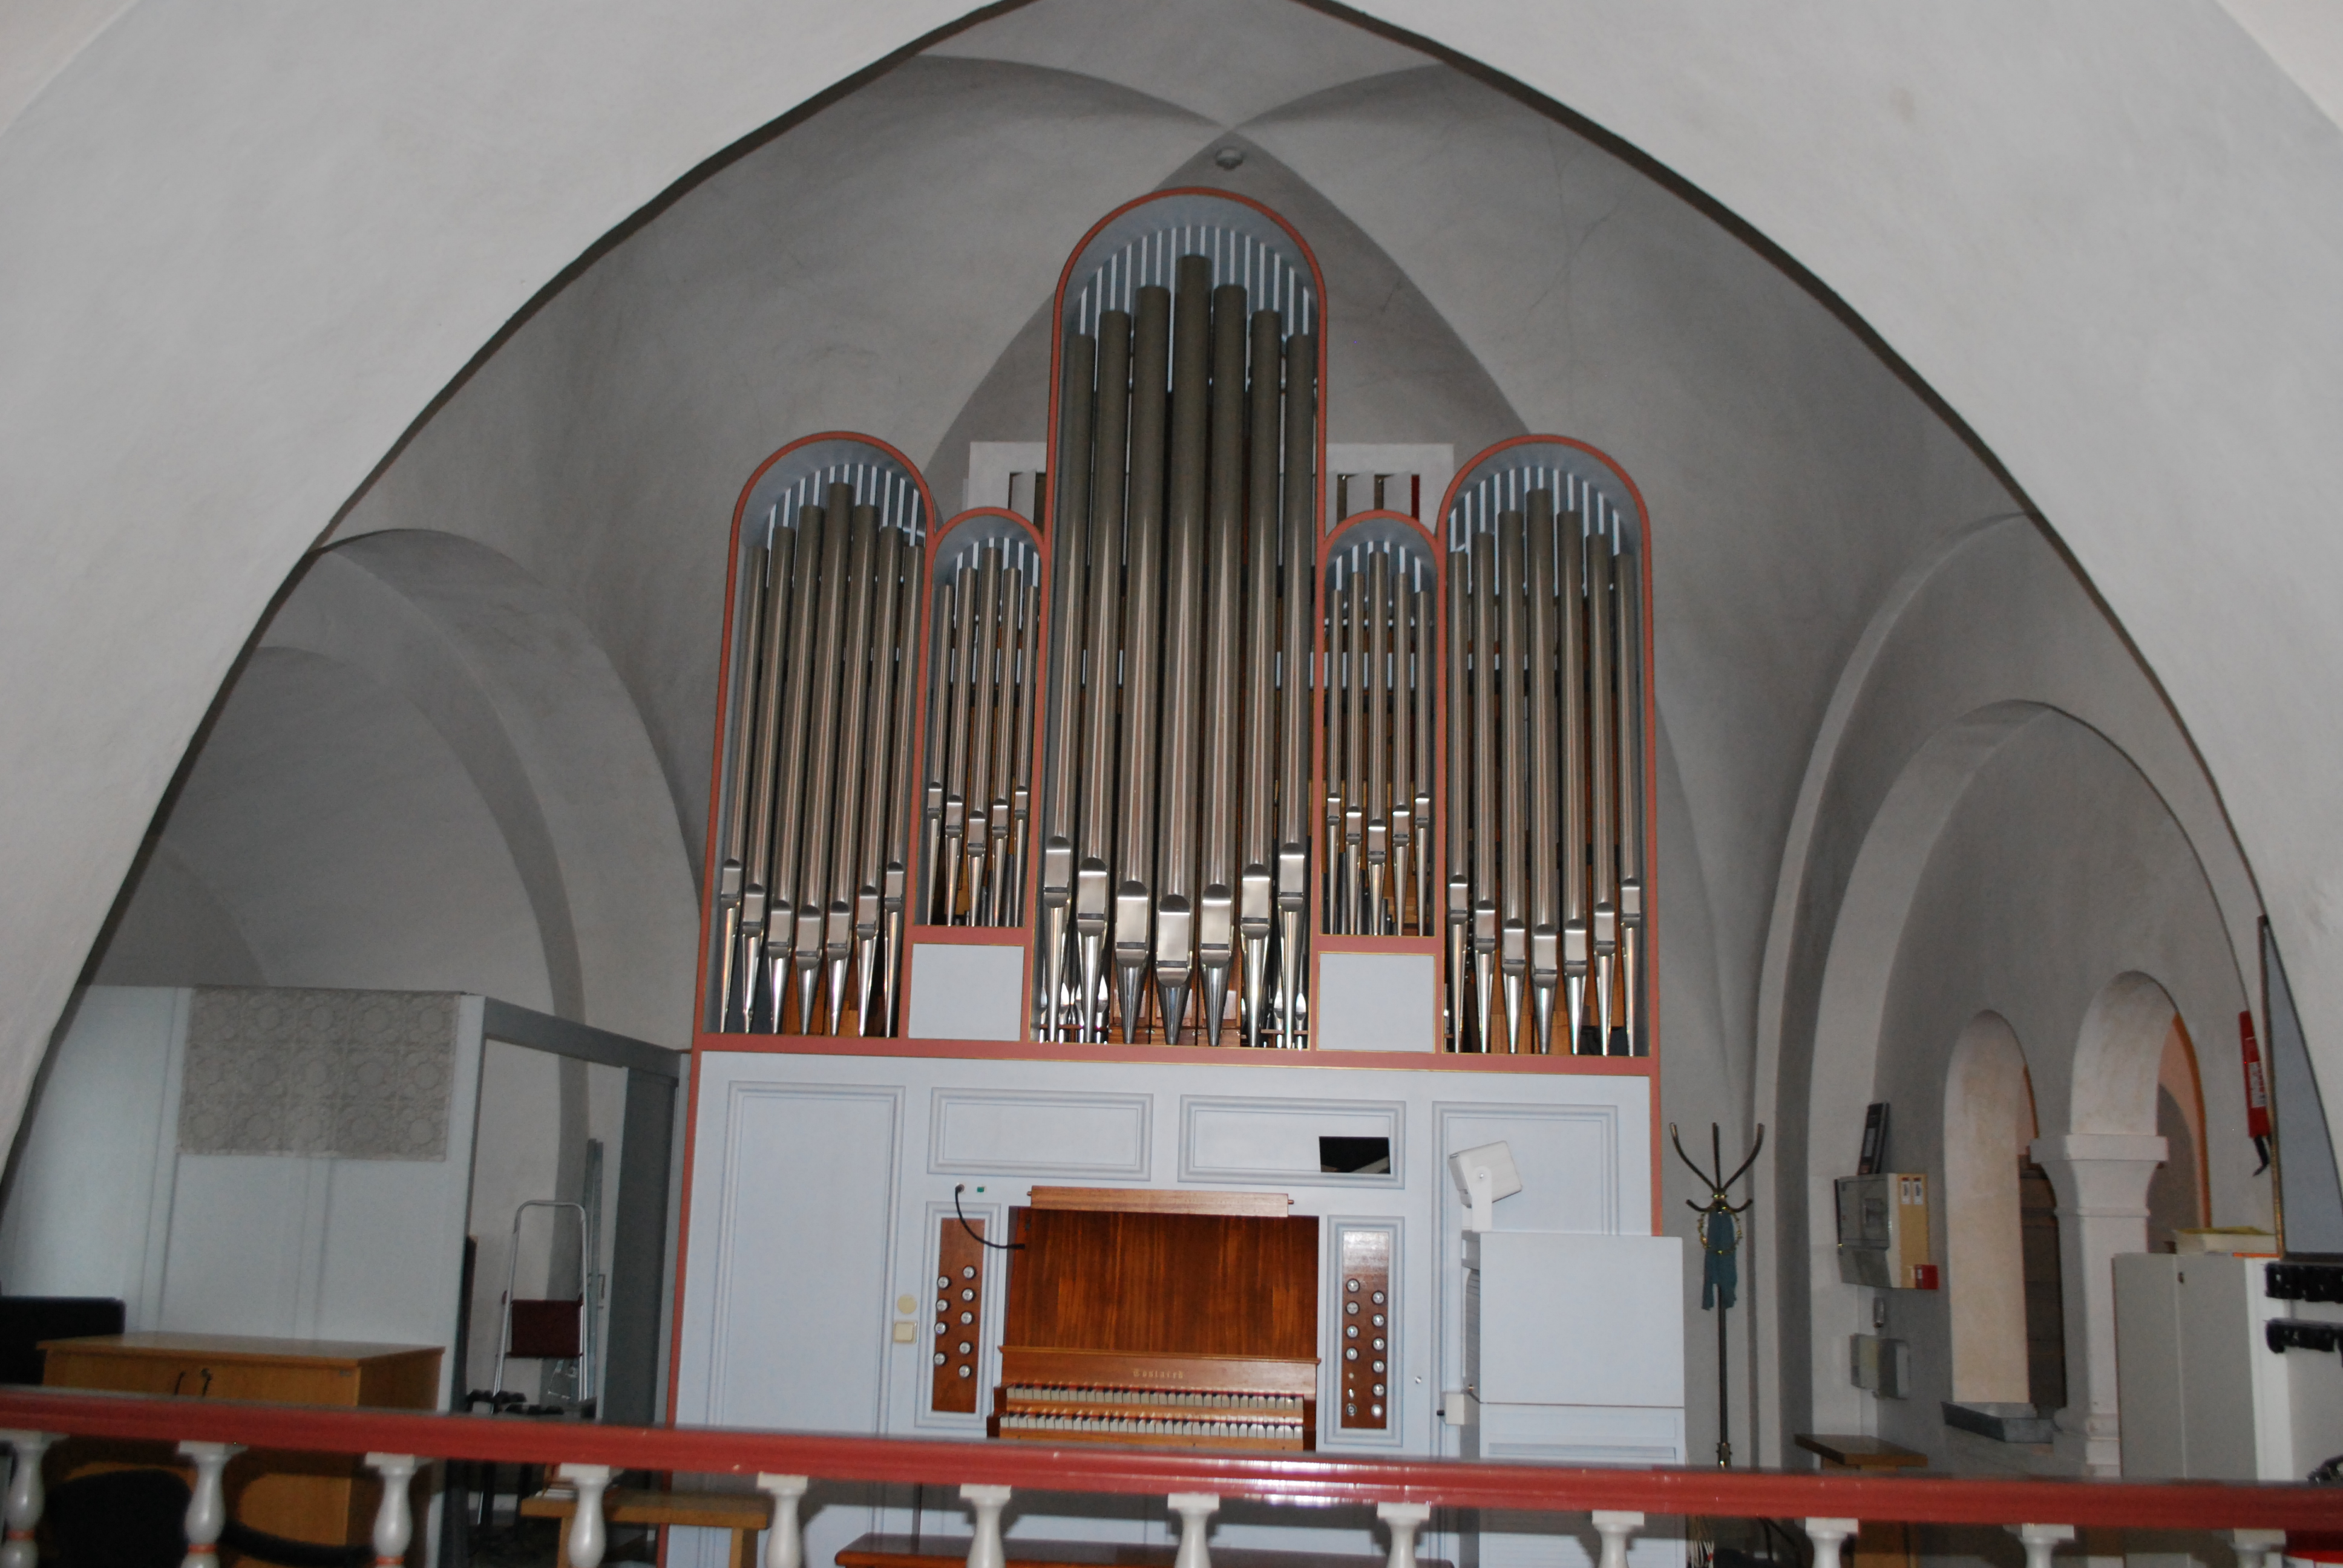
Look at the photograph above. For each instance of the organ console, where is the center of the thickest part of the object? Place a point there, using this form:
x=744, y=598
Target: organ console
x=1177, y=737
x=1166, y=1320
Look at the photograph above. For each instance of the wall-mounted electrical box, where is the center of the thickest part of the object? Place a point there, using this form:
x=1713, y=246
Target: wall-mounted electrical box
x=1882, y=1366
x=1883, y=1232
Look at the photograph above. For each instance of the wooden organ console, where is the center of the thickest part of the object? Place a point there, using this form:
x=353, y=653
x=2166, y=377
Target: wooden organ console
x=1163, y=1320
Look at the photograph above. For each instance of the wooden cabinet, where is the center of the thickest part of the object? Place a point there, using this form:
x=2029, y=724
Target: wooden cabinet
x=322, y=1498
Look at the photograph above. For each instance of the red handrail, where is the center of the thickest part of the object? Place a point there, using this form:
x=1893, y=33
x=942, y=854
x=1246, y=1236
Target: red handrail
x=1297, y=1478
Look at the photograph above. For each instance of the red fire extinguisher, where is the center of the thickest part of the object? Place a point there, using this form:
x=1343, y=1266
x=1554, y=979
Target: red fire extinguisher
x=2258, y=1122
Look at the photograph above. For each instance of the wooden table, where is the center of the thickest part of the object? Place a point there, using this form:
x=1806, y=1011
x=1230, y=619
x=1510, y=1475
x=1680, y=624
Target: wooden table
x=1879, y=1545
x=323, y=1498
x=742, y=1513
x=928, y=1552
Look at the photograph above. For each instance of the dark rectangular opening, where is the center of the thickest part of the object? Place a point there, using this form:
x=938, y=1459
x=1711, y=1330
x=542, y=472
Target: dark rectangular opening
x=1354, y=1156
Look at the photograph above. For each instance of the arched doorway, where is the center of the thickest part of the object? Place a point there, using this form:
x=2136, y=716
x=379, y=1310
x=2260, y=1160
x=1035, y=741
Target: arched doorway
x=1988, y=1124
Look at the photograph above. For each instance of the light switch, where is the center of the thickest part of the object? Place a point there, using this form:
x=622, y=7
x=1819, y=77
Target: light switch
x=906, y=1332
x=907, y=1305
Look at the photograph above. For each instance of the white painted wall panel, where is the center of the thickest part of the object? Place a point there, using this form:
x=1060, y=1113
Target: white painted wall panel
x=790, y=1248
x=88, y=1194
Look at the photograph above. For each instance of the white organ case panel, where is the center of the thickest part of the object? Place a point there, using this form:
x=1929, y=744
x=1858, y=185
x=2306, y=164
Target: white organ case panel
x=818, y=1182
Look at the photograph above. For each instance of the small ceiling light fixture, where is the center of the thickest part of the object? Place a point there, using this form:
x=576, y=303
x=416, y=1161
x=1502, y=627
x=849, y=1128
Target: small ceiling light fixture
x=1229, y=157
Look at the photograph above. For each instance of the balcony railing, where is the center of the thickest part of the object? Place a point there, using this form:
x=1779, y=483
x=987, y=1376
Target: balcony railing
x=2043, y=1513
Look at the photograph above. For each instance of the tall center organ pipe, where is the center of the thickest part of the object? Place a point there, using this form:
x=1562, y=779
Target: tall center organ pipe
x=1183, y=596
x=1095, y=869
x=1134, y=894
x=1216, y=925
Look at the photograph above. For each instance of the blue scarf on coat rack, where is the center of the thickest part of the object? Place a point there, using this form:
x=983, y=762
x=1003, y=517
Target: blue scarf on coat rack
x=1720, y=1274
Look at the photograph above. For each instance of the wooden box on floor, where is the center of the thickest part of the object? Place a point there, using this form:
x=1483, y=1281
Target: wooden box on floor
x=322, y=1498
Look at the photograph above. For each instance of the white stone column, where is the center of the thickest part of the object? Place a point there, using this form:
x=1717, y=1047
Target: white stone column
x=25, y=1497
x=784, y=1540
x=1828, y=1537
x=393, y=1523
x=2040, y=1538
x=588, y=1536
x=2101, y=1179
x=1615, y=1526
x=1404, y=1519
x=1193, y=1508
x=206, y=1504
x=985, y=1549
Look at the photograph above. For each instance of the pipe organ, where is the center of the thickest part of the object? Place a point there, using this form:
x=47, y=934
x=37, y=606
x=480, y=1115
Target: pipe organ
x=1183, y=752
x=1181, y=739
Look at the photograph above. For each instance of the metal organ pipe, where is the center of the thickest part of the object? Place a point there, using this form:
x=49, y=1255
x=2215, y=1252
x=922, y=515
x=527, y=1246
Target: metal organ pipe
x=1183, y=586
x=1216, y=926
x=1601, y=758
x=1257, y=879
x=1297, y=581
x=1134, y=895
x=1544, y=778
x=740, y=925
x=1094, y=871
x=1069, y=528
x=788, y=795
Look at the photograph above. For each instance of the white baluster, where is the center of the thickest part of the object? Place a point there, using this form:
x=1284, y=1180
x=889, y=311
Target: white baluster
x=984, y=1548
x=587, y=1536
x=2039, y=1539
x=394, y=1524
x=1404, y=1519
x=1193, y=1508
x=2254, y=1547
x=1615, y=1526
x=207, y=1505
x=25, y=1497
x=1828, y=1536
x=784, y=1545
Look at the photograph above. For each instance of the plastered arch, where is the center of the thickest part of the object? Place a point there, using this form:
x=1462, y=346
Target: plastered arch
x=2118, y=1056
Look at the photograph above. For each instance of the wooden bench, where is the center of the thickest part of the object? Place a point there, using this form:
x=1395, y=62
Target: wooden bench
x=742, y=1513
